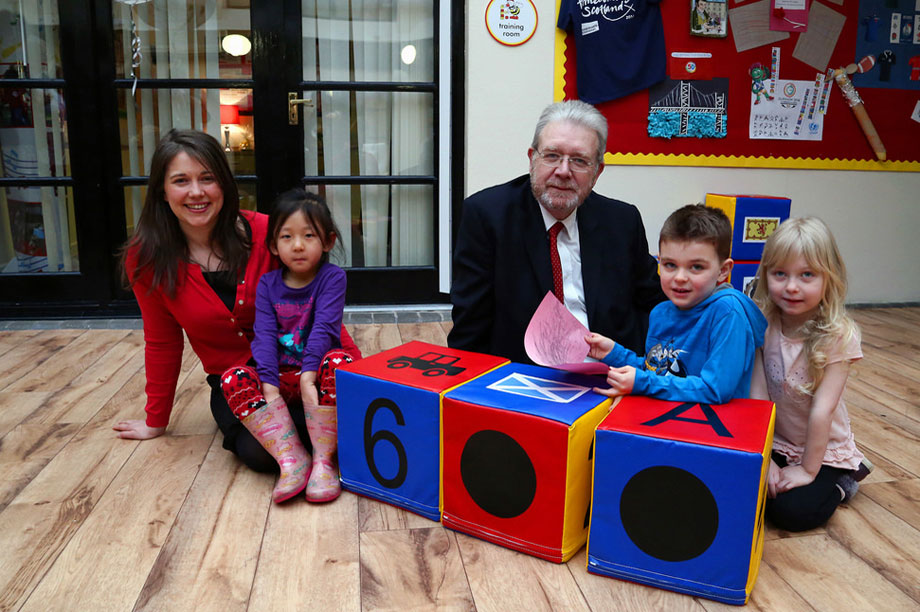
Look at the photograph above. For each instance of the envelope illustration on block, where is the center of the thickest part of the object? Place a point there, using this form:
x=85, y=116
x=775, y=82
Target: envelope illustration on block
x=539, y=388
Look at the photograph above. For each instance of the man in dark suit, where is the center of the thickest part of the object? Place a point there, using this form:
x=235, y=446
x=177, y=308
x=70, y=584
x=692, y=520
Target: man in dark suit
x=502, y=259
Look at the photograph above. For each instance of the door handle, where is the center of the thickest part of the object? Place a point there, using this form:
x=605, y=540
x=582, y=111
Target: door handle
x=293, y=101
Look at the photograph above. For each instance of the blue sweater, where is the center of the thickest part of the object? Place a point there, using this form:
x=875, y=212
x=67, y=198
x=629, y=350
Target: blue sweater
x=704, y=354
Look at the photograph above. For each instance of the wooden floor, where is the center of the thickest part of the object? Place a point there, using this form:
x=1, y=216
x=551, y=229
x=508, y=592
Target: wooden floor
x=91, y=522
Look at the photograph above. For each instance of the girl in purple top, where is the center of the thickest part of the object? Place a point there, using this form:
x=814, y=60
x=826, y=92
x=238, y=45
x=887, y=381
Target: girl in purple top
x=296, y=349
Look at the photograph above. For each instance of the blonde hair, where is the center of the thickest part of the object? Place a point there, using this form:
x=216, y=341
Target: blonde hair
x=810, y=238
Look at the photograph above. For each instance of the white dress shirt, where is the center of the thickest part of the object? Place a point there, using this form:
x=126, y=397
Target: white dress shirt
x=570, y=257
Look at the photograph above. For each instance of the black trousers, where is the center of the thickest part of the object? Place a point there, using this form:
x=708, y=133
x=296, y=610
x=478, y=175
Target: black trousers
x=237, y=438
x=804, y=508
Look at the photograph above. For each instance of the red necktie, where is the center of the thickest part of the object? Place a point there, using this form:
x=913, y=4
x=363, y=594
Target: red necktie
x=554, y=260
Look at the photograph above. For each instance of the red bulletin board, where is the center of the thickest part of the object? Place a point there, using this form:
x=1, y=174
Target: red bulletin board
x=844, y=146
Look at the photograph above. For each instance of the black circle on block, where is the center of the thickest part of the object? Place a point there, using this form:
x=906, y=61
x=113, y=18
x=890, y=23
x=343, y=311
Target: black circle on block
x=498, y=474
x=669, y=513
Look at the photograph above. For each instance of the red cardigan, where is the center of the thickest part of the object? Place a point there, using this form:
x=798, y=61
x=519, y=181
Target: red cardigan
x=219, y=337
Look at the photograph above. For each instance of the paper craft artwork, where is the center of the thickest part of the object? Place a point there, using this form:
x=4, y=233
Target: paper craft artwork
x=789, y=15
x=556, y=339
x=688, y=108
x=751, y=26
x=815, y=46
x=786, y=116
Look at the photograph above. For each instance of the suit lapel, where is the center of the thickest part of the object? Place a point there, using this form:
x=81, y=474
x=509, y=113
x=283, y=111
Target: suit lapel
x=591, y=242
x=536, y=244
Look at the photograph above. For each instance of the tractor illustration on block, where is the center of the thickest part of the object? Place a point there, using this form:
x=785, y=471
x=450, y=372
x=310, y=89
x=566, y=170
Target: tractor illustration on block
x=431, y=364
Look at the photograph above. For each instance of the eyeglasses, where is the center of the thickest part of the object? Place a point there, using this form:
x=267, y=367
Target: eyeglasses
x=576, y=164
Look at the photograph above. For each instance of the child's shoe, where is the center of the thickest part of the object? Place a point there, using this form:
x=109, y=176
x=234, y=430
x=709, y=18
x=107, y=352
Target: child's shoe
x=273, y=427
x=324, y=480
x=863, y=470
x=848, y=488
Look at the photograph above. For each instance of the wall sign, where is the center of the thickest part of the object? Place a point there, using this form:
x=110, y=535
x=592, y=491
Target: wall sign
x=511, y=22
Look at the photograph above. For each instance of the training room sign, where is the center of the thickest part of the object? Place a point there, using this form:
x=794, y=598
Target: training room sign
x=511, y=22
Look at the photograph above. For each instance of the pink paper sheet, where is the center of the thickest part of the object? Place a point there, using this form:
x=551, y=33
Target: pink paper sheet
x=556, y=339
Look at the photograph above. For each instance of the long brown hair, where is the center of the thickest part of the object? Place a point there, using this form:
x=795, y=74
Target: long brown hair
x=158, y=243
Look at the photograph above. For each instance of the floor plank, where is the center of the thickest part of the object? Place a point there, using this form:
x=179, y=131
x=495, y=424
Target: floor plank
x=428, y=574
x=228, y=505
x=830, y=577
x=17, y=363
x=52, y=374
x=880, y=539
x=309, y=557
x=502, y=579
x=80, y=398
x=604, y=593
x=126, y=530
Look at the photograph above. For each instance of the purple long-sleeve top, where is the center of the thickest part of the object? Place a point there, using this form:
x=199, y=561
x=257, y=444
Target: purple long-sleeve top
x=296, y=327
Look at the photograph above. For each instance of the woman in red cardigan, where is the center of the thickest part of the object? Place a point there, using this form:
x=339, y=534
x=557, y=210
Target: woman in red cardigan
x=194, y=262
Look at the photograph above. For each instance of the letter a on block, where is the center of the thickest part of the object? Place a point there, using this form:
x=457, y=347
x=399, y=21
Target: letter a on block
x=712, y=419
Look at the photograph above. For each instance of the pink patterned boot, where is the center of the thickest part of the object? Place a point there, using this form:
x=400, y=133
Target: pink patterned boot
x=273, y=427
x=323, y=427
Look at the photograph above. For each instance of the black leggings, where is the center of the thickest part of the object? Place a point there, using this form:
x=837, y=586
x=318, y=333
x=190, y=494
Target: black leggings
x=804, y=508
x=237, y=438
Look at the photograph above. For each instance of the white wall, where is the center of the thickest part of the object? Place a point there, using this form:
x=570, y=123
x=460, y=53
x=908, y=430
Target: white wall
x=874, y=215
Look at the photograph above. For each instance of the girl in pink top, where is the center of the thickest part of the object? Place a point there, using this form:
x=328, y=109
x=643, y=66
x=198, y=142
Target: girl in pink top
x=803, y=368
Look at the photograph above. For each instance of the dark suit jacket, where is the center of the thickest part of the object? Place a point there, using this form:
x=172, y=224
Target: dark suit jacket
x=502, y=270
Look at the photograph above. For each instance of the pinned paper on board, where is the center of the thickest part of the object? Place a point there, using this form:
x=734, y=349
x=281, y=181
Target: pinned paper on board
x=556, y=339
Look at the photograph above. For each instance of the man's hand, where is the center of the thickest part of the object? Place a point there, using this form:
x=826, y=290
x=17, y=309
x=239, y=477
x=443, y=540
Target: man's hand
x=137, y=429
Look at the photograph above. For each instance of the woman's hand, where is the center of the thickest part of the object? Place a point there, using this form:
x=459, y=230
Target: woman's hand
x=599, y=345
x=308, y=391
x=137, y=429
x=621, y=381
x=793, y=476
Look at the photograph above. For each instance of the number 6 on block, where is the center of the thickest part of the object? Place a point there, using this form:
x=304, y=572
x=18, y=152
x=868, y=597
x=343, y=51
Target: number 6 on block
x=384, y=435
x=389, y=411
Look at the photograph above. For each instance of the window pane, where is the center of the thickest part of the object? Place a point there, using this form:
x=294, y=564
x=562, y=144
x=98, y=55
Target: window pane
x=382, y=41
x=146, y=116
x=37, y=232
x=382, y=225
x=177, y=39
x=29, y=33
x=33, y=133
x=369, y=133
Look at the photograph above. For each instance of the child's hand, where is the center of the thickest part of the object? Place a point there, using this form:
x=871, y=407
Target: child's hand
x=308, y=392
x=773, y=477
x=270, y=392
x=137, y=429
x=599, y=345
x=793, y=476
x=621, y=381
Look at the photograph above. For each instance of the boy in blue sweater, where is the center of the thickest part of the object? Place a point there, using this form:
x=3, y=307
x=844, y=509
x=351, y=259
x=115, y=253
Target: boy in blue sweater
x=701, y=342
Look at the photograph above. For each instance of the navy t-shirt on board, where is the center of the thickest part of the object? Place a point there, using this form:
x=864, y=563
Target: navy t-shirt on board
x=619, y=44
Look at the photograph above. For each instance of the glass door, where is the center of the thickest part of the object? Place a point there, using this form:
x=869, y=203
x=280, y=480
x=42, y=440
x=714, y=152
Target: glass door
x=369, y=71
x=345, y=98
x=49, y=244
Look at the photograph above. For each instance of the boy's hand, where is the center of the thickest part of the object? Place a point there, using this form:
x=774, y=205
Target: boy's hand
x=621, y=381
x=773, y=477
x=308, y=391
x=793, y=476
x=599, y=345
